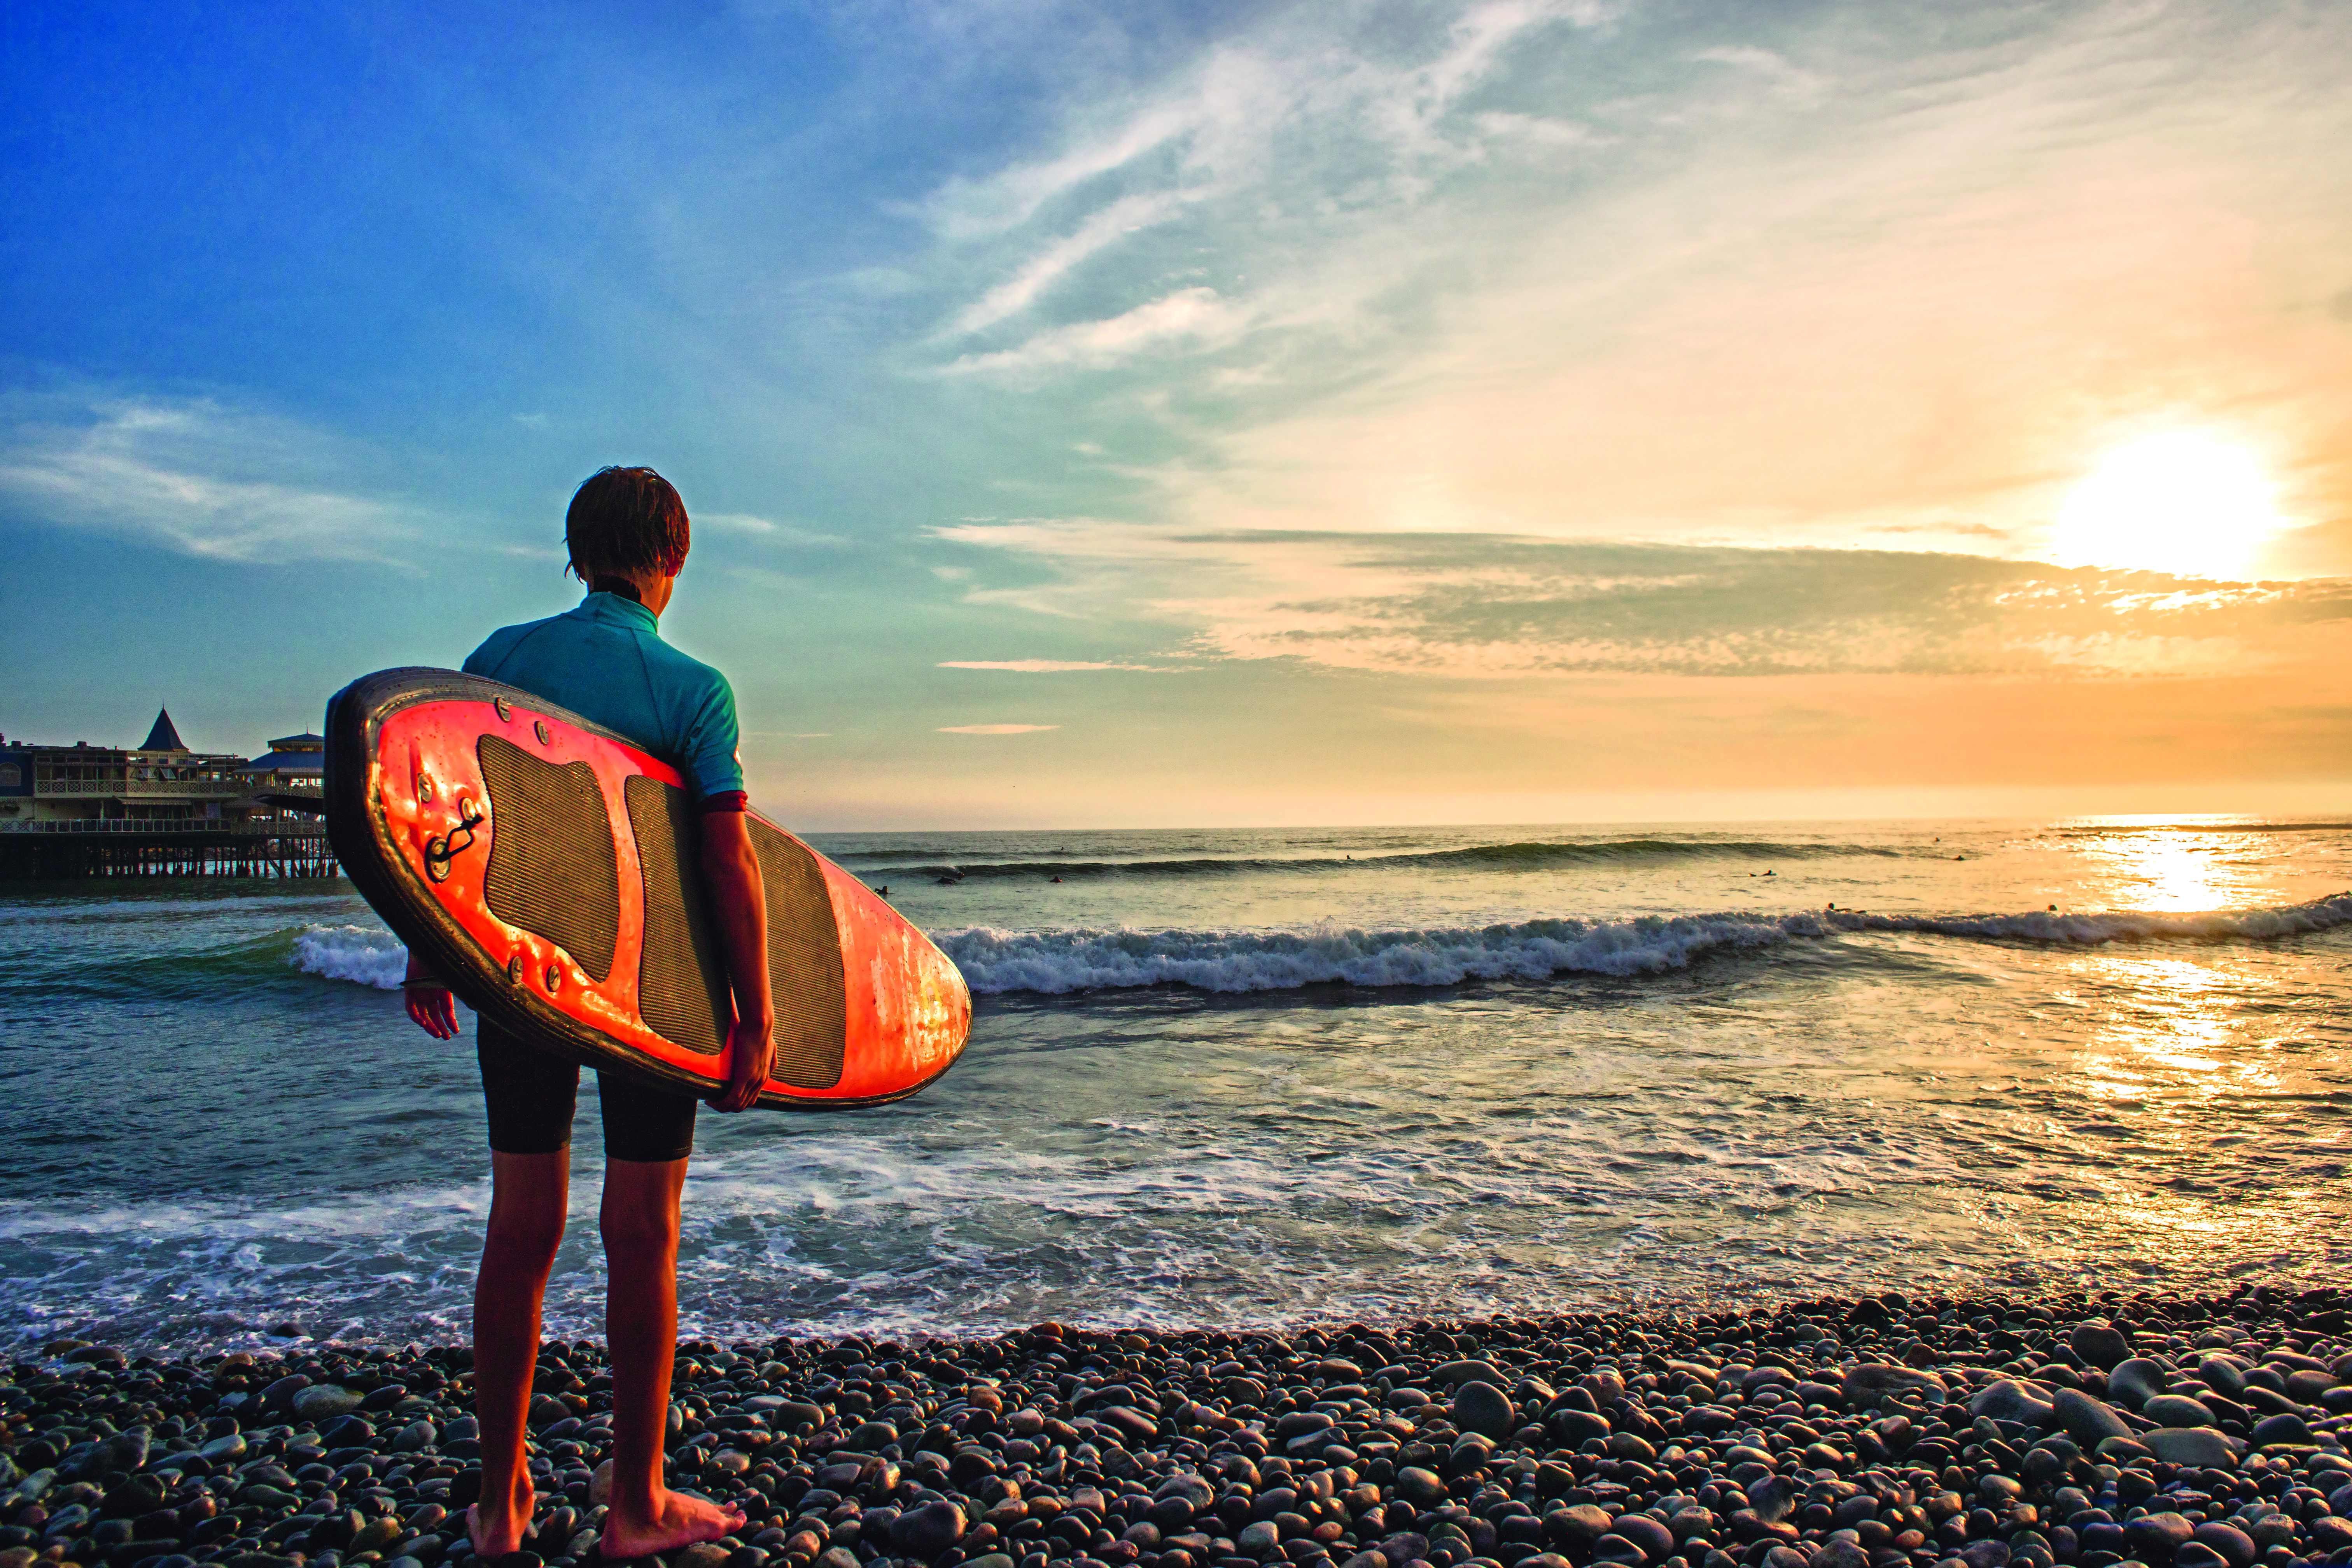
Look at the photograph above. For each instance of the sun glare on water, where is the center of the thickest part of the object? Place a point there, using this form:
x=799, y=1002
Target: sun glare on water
x=2183, y=501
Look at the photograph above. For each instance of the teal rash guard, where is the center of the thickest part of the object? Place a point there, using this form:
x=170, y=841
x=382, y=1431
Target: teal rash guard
x=606, y=662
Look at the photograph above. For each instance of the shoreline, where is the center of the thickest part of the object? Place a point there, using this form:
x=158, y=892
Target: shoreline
x=2195, y=1432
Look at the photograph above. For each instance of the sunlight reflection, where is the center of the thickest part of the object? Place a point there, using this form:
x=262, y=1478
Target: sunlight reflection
x=2173, y=1067
x=2162, y=1035
x=2172, y=871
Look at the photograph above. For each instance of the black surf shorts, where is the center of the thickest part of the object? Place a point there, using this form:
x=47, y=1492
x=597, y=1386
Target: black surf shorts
x=532, y=1096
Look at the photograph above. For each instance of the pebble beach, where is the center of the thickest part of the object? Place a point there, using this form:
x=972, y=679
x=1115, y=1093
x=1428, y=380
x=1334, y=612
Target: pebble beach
x=1874, y=1431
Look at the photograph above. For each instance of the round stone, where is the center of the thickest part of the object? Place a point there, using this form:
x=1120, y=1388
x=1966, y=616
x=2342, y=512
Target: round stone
x=2235, y=1545
x=1480, y=1406
x=1870, y=1381
x=2200, y=1445
x=2282, y=1428
x=2134, y=1382
x=1693, y=1523
x=1261, y=1539
x=2177, y=1410
x=2088, y=1421
x=1576, y=1427
x=2222, y=1377
x=1170, y=1514
x=1656, y=1543
x=2160, y=1533
x=1584, y=1522
x=928, y=1531
x=2099, y=1344
x=2013, y=1399
x=1196, y=1493
x=323, y=1402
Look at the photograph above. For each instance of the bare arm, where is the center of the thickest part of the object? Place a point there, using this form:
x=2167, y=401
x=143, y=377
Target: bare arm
x=730, y=869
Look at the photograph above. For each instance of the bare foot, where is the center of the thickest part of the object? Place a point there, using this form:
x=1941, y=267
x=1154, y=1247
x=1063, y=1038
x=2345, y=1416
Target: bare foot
x=675, y=1520
x=494, y=1531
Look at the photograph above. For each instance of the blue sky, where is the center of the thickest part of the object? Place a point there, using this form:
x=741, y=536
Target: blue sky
x=1507, y=411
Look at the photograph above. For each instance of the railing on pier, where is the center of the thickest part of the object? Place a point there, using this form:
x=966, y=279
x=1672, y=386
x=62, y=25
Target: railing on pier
x=263, y=829
x=226, y=789
x=41, y=851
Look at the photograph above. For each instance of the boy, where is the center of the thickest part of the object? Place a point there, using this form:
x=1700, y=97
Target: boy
x=628, y=533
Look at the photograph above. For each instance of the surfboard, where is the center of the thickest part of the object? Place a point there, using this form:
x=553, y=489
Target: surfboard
x=550, y=872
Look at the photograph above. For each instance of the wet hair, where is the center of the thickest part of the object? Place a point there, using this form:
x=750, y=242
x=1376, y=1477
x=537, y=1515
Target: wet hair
x=626, y=520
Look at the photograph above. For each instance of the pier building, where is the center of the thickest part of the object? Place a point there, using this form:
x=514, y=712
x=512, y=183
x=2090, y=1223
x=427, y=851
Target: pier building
x=161, y=808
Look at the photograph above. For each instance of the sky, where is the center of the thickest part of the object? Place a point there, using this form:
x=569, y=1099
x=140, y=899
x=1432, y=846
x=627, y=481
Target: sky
x=1513, y=411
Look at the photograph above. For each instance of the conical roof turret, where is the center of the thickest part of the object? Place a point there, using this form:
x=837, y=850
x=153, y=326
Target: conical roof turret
x=165, y=736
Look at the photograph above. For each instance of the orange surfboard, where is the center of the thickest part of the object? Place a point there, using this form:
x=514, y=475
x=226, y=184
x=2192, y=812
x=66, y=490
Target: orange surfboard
x=550, y=872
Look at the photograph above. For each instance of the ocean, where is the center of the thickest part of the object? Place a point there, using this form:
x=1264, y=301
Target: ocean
x=1271, y=1076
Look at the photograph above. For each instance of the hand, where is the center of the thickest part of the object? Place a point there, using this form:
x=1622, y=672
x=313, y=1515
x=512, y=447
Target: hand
x=750, y=1058
x=434, y=1011
x=429, y=1006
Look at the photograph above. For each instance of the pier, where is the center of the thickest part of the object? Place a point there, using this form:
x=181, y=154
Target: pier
x=44, y=851
x=160, y=809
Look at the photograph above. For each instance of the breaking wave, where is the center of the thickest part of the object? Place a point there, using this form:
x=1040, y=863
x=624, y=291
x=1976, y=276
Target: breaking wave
x=1054, y=963
x=999, y=962
x=361, y=954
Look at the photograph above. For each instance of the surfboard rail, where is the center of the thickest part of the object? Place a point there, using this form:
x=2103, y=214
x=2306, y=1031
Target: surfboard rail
x=591, y=940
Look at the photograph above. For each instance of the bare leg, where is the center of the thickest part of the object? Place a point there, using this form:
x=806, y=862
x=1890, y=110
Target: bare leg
x=640, y=1224
x=529, y=1195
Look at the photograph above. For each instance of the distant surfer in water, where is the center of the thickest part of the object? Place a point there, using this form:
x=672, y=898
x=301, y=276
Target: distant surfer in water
x=627, y=532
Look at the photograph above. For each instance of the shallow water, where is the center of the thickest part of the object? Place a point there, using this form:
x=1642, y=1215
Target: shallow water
x=1228, y=1076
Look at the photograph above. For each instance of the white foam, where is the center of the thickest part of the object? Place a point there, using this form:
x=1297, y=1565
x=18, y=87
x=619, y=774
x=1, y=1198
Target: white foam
x=2209, y=925
x=365, y=955
x=1060, y=962
x=1057, y=963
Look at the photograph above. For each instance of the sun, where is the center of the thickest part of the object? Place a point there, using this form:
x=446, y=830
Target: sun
x=2184, y=501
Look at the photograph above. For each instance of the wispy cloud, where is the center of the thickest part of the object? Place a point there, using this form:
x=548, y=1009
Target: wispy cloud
x=1192, y=315
x=753, y=526
x=1284, y=130
x=736, y=522
x=196, y=476
x=1057, y=666
x=1051, y=265
x=995, y=729
x=1479, y=606
x=1784, y=77
x=970, y=209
